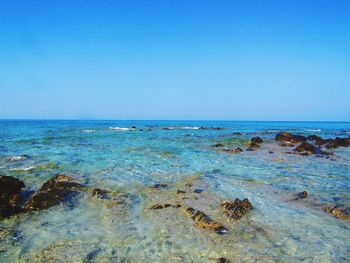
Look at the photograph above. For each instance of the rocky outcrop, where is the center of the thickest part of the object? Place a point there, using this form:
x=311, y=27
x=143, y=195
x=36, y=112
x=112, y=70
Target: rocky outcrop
x=204, y=221
x=56, y=190
x=306, y=148
x=337, y=142
x=289, y=138
x=10, y=190
x=256, y=140
x=236, y=209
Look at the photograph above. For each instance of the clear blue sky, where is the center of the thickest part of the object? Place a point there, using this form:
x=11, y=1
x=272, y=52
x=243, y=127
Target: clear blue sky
x=126, y=59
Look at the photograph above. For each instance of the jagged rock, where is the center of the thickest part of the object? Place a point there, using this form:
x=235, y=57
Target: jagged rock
x=56, y=190
x=288, y=137
x=10, y=190
x=306, y=148
x=236, y=209
x=256, y=140
x=204, y=221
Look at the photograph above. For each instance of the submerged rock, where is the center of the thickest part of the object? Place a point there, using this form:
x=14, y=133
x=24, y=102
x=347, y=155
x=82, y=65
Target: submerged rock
x=338, y=212
x=256, y=140
x=56, y=190
x=204, y=221
x=160, y=206
x=159, y=186
x=236, y=209
x=10, y=190
x=237, y=150
x=218, y=145
x=222, y=260
x=180, y=191
x=301, y=195
x=288, y=137
x=237, y=133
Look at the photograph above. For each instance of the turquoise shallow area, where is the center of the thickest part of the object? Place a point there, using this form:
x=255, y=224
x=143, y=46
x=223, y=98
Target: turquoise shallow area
x=98, y=154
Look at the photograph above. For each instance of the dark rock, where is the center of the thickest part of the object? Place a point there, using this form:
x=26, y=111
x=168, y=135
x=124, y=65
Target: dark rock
x=253, y=145
x=180, y=191
x=256, y=140
x=337, y=142
x=204, y=221
x=159, y=186
x=301, y=195
x=198, y=191
x=237, y=150
x=237, y=133
x=236, y=209
x=271, y=152
x=306, y=148
x=218, y=129
x=249, y=149
x=56, y=190
x=101, y=193
x=318, y=140
x=338, y=212
x=133, y=127
x=222, y=260
x=10, y=190
x=288, y=137
x=218, y=145
x=157, y=206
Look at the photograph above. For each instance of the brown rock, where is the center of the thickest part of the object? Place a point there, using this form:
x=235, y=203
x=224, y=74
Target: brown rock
x=236, y=209
x=256, y=140
x=222, y=260
x=306, y=148
x=288, y=137
x=204, y=221
x=56, y=190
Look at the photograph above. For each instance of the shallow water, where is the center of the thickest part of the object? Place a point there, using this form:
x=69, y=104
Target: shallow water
x=102, y=154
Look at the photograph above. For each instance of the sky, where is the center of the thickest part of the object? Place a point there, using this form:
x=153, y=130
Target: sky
x=200, y=60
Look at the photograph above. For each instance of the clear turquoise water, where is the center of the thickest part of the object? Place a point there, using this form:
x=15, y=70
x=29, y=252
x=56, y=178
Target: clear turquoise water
x=107, y=158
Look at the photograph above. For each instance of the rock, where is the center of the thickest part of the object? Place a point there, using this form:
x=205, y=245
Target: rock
x=218, y=128
x=159, y=186
x=180, y=191
x=222, y=260
x=288, y=137
x=237, y=133
x=253, y=145
x=10, y=190
x=249, y=149
x=301, y=195
x=204, y=221
x=256, y=140
x=100, y=193
x=318, y=140
x=306, y=148
x=218, y=145
x=56, y=190
x=157, y=206
x=197, y=191
x=271, y=152
x=237, y=150
x=337, y=142
x=338, y=212
x=236, y=209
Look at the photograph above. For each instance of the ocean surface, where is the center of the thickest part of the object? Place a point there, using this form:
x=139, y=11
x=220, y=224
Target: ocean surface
x=111, y=155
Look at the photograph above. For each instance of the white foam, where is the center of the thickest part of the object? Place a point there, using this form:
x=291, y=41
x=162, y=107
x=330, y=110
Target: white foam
x=16, y=158
x=313, y=130
x=88, y=130
x=25, y=169
x=182, y=128
x=121, y=129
